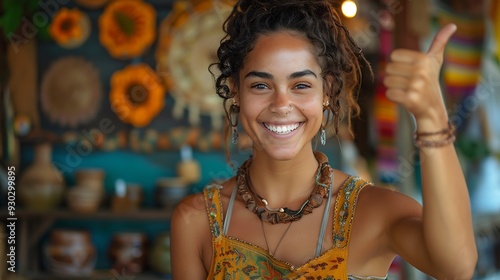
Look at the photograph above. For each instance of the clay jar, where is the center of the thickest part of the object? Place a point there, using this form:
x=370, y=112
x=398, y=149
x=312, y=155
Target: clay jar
x=70, y=252
x=41, y=185
x=88, y=193
x=92, y=179
x=189, y=171
x=169, y=191
x=159, y=256
x=128, y=252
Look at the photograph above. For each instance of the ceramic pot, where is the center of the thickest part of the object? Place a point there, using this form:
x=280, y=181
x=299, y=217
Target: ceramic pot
x=169, y=191
x=189, y=171
x=131, y=200
x=41, y=185
x=93, y=178
x=90, y=178
x=159, y=256
x=134, y=195
x=83, y=200
x=70, y=252
x=128, y=252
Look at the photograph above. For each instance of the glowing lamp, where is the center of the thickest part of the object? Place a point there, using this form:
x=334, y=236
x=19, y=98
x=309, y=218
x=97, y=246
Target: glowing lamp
x=349, y=8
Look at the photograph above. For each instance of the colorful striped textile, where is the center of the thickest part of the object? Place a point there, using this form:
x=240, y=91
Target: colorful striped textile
x=386, y=118
x=463, y=54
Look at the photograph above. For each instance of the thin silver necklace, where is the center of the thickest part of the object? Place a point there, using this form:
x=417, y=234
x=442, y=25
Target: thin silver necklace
x=279, y=242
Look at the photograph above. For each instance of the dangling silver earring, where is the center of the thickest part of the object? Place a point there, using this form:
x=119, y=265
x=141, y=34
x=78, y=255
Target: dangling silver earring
x=322, y=137
x=234, y=111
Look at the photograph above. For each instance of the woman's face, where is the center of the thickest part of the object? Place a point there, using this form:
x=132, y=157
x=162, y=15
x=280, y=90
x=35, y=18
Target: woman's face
x=281, y=95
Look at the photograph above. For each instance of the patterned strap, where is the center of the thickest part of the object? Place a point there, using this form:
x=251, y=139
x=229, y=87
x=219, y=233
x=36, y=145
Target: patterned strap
x=345, y=206
x=214, y=208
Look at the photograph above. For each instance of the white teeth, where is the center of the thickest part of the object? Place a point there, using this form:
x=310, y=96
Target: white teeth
x=282, y=129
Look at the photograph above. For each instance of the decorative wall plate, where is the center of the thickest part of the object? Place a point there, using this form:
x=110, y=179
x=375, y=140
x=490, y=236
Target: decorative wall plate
x=189, y=38
x=127, y=28
x=137, y=94
x=71, y=92
x=70, y=28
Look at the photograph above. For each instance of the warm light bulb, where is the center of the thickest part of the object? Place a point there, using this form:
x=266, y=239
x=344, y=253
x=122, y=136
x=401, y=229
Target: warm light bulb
x=349, y=8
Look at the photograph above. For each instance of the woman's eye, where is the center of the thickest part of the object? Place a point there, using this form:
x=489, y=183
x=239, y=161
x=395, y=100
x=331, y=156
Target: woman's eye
x=259, y=86
x=302, y=86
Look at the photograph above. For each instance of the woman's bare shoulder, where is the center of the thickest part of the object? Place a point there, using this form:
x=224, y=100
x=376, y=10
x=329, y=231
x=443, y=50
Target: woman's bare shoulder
x=190, y=237
x=388, y=202
x=190, y=212
x=192, y=207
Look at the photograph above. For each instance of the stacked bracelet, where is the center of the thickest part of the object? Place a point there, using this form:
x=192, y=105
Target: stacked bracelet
x=447, y=133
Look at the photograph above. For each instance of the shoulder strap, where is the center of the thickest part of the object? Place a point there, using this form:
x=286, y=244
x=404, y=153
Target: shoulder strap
x=229, y=211
x=345, y=206
x=214, y=208
x=324, y=221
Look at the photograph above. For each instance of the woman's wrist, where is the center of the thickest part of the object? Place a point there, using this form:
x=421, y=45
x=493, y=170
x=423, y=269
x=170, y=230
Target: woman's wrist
x=434, y=132
x=435, y=138
x=432, y=122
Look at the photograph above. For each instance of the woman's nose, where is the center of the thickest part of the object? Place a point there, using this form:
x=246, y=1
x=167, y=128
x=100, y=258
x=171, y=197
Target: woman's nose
x=281, y=104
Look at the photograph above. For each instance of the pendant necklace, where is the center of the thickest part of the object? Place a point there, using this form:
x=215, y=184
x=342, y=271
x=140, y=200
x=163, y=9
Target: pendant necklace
x=279, y=242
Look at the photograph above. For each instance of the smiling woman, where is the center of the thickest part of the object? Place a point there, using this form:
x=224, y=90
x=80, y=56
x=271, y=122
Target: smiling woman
x=269, y=92
x=284, y=66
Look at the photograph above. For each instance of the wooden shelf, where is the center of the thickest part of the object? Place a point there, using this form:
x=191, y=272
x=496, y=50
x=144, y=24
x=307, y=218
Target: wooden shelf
x=142, y=214
x=33, y=224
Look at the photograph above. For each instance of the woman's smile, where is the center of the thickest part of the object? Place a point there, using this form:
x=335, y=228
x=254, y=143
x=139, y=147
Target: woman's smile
x=281, y=129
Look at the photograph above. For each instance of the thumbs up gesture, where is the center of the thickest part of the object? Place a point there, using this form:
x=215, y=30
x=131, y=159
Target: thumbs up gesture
x=412, y=80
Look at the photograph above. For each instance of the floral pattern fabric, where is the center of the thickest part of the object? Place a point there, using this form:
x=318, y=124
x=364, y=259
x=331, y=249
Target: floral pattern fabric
x=238, y=259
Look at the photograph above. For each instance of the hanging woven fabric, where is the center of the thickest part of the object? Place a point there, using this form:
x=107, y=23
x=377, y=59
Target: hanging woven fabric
x=386, y=117
x=462, y=58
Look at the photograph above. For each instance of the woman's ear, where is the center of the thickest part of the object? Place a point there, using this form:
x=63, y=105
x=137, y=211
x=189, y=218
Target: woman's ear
x=326, y=101
x=327, y=88
x=234, y=89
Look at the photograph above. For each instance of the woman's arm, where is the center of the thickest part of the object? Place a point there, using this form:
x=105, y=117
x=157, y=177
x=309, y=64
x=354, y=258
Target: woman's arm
x=189, y=229
x=445, y=229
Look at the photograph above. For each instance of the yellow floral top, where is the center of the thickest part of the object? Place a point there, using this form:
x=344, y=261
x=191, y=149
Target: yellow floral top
x=237, y=259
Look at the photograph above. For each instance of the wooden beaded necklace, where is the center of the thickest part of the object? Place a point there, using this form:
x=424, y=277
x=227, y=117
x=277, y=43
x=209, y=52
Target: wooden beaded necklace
x=260, y=205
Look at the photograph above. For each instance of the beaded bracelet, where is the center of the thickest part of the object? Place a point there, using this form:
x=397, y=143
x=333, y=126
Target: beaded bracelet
x=449, y=132
x=435, y=143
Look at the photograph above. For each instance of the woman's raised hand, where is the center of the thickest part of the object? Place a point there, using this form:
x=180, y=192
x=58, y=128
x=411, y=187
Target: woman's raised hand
x=412, y=80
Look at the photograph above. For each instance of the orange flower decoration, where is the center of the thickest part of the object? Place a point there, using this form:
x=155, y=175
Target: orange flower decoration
x=127, y=28
x=137, y=94
x=70, y=27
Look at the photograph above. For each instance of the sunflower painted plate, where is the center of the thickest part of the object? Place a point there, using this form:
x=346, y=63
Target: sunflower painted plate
x=137, y=94
x=70, y=28
x=127, y=28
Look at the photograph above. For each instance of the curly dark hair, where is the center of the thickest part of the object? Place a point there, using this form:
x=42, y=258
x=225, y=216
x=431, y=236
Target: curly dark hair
x=338, y=55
